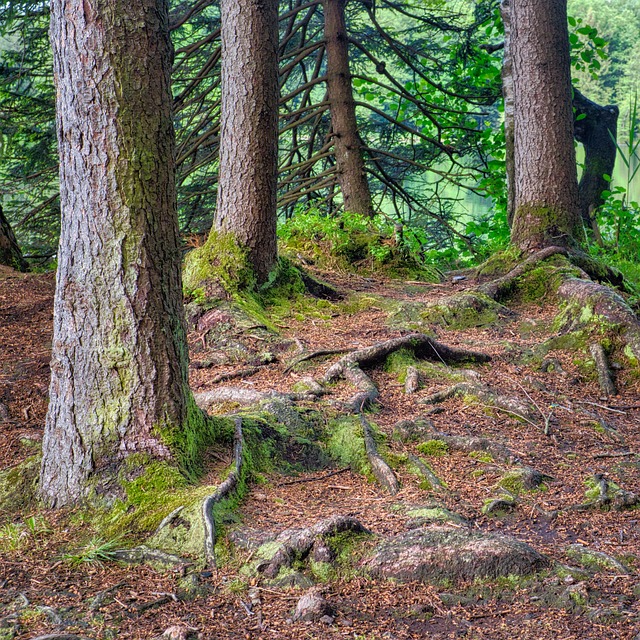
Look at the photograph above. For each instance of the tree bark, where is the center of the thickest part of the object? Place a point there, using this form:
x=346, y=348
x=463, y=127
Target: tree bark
x=507, y=96
x=597, y=132
x=344, y=127
x=119, y=381
x=10, y=253
x=247, y=187
x=546, y=186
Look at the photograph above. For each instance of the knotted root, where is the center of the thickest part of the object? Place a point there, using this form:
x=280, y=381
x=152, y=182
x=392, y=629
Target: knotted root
x=295, y=544
x=381, y=470
x=221, y=493
x=351, y=366
x=485, y=396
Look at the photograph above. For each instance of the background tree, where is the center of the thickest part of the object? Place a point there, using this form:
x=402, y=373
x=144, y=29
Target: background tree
x=247, y=191
x=119, y=381
x=10, y=253
x=546, y=186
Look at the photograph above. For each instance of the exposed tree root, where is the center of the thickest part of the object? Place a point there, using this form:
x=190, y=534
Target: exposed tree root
x=424, y=469
x=315, y=354
x=607, y=305
x=609, y=496
x=221, y=493
x=483, y=394
x=245, y=396
x=142, y=553
x=350, y=367
x=500, y=287
x=381, y=470
x=412, y=381
x=295, y=544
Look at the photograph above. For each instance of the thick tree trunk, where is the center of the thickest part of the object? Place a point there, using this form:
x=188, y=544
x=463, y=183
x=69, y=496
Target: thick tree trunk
x=119, y=381
x=10, y=253
x=507, y=95
x=546, y=186
x=344, y=127
x=249, y=129
x=597, y=132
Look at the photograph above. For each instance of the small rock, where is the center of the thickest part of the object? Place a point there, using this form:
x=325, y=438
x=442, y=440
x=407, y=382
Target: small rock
x=413, y=430
x=4, y=412
x=294, y=579
x=313, y=607
x=327, y=619
x=175, y=632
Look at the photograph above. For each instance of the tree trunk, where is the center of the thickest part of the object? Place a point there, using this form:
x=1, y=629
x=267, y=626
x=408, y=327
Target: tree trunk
x=119, y=381
x=249, y=129
x=344, y=127
x=10, y=253
x=597, y=132
x=546, y=186
x=507, y=95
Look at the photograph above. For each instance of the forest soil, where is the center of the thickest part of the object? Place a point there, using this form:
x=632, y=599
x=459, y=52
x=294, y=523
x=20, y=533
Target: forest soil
x=46, y=593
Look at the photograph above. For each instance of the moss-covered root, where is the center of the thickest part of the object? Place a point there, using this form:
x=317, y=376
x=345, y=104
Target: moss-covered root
x=589, y=303
x=604, y=494
x=222, y=492
x=294, y=544
x=482, y=394
x=500, y=287
x=381, y=470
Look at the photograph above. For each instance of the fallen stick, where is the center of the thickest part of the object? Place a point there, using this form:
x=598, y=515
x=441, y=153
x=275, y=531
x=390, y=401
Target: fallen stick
x=316, y=478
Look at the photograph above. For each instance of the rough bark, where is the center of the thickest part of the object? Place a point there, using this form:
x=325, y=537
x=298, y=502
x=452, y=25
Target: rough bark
x=344, y=127
x=507, y=96
x=597, y=132
x=10, y=253
x=546, y=187
x=249, y=129
x=119, y=362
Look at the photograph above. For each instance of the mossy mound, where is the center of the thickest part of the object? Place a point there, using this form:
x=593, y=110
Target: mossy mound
x=465, y=310
x=353, y=242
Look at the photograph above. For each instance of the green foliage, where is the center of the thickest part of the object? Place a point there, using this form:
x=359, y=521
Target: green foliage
x=433, y=448
x=619, y=216
x=95, y=551
x=354, y=241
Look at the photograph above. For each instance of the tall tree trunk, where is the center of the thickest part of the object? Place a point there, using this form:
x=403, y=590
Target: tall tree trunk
x=10, y=253
x=546, y=186
x=119, y=381
x=507, y=95
x=247, y=186
x=597, y=130
x=344, y=127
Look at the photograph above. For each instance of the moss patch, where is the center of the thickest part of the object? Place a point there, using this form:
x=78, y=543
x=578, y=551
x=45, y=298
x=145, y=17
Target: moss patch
x=18, y=485
x=345, y=444
x=464, y=310
x=433, y=448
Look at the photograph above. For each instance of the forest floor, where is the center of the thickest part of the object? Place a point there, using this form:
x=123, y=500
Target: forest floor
x=42, y=591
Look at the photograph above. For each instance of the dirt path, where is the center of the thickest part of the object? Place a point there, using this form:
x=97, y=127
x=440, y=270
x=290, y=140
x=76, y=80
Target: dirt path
x=48, y=594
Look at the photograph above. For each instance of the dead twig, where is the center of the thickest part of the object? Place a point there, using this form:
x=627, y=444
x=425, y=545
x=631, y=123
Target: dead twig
x=316, y=478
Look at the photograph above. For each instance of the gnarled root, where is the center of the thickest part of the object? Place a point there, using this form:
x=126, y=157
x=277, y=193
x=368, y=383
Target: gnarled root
x=602, y=367
x=351, y=366
x=296, y=544
x=243, y=396
x=221, y=493
x=381, y=470
x=484, y=395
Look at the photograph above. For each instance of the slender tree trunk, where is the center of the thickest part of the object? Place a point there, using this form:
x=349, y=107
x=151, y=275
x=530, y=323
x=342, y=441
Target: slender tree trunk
x=348, y=147
x=119, y=381
x=10, y=253
x=247, y=187
x=597, y=131
x=507, y=95
x=546, y=186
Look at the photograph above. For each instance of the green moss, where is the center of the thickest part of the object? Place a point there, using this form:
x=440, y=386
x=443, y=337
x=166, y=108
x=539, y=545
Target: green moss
x=514, y=482
x=481, y=456
x=345, y=444
x=18, y=485
x=433, y=448
x=500, y=263
x=221, y=261
x=593, y=490
x=398, y=362
x=435, y=514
